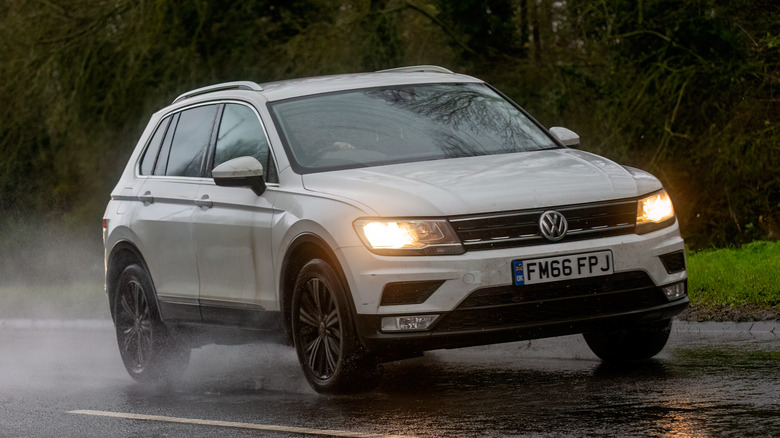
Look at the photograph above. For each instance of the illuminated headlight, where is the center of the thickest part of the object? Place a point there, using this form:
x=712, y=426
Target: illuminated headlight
x=408, y=237
x=654, y=212
x=407, y=323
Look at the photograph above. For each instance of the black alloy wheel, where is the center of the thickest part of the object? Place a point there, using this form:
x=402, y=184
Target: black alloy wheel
x=148, y=351
x=320, y=329
x=134, y=326
x=332, y=358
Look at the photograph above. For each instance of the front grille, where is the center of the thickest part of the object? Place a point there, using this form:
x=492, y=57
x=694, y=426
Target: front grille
x=517, y=306
x=521, y=228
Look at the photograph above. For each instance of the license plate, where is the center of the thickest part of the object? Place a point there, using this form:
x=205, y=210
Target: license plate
x=592, y=264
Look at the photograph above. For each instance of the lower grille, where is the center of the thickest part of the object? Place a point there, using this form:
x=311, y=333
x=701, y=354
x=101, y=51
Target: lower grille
x=510, y=306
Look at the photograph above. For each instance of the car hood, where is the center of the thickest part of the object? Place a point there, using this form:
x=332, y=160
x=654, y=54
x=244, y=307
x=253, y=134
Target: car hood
x=484, y=184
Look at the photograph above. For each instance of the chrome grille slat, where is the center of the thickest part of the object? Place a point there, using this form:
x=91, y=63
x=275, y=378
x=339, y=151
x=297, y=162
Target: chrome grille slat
x=520, y=228
x=481, y=242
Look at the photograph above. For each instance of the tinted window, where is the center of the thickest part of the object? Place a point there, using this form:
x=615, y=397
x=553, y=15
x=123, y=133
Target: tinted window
x=241, y=134
x=402, y=124
x=150, y=156
x=165, y=150
x=190, y=141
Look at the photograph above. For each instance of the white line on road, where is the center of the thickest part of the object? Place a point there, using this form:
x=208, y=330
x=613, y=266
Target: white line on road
x=253, y=426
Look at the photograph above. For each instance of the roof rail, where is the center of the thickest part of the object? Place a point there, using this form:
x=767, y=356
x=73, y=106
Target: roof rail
x=418, y=69
x=238, y=85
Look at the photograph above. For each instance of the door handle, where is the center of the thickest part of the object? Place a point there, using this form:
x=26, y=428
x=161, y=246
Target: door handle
x=204, y=202
x=146, y=198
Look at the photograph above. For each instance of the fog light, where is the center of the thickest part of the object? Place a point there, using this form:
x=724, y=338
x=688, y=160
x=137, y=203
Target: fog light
x=674, y=291
x=407, y=323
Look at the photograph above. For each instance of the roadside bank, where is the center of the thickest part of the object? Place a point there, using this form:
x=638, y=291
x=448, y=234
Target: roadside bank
x=722, y=313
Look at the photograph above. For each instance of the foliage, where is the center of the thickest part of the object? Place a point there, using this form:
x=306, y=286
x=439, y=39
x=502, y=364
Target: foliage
x=699, y=108
x=686, y=90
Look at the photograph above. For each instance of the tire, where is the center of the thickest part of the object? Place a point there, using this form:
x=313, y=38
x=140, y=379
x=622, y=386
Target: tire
x=149, y=352
x=629, y=344
x=332, y=358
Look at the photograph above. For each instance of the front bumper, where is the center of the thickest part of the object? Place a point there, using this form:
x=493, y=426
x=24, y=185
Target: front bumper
x=477, y=303
x=500, y=315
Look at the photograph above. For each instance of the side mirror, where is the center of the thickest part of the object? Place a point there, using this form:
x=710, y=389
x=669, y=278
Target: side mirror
x=567, y=137
x=240, y=172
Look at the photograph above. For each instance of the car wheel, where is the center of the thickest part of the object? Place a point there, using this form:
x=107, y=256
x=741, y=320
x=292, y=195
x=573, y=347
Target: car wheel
x=332, y=358
x=148, y=351
x=629, y=344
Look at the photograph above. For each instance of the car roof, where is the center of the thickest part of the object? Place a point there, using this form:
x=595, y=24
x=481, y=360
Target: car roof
x=292, y=88
x=324, y=84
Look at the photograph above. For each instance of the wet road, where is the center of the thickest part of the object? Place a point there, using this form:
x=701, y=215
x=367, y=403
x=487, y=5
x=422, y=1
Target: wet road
x=69, y=382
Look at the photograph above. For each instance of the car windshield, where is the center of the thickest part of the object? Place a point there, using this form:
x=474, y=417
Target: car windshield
x=399, y=124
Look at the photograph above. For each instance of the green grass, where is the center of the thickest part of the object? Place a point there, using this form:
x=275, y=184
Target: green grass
x=736, y=277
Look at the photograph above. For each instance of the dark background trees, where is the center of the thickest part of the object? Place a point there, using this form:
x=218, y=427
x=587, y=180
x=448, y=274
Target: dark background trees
x=687, y=90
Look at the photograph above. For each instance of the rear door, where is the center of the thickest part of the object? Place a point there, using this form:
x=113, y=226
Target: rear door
x=173, y=173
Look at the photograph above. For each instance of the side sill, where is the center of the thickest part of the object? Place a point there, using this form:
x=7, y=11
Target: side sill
x=179, y=310
x=219, y=313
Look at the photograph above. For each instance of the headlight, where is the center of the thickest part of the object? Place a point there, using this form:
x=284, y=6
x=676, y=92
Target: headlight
x=408, y=237
x=654, y=212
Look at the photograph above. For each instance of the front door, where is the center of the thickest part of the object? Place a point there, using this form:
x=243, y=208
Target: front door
x=232, y=229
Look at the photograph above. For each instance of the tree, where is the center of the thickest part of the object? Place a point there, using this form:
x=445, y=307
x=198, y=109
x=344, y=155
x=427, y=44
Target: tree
x=686, y=90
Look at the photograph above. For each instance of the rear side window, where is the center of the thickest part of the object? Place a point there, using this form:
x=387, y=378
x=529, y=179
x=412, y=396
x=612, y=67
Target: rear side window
x=241, y=134
x=165, y=150
x=150, y=156
x=190, y=141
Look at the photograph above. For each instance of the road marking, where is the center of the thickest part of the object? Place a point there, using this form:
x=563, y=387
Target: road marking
x=252, y=426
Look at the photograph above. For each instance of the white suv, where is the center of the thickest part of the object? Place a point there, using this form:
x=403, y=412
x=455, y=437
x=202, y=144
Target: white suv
x=370, y=217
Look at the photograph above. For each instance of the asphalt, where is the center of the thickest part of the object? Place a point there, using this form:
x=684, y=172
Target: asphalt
x=678, y=326
x=64, y=378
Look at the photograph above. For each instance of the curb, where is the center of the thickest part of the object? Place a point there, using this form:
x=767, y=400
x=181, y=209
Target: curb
x=762, y=327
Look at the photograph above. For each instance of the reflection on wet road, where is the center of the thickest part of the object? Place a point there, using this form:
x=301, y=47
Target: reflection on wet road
x=709, y=384
x=692, y=390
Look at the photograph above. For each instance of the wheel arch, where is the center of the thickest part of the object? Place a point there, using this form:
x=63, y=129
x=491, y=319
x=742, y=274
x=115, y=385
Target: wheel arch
x=304, y=248
x=122, y=255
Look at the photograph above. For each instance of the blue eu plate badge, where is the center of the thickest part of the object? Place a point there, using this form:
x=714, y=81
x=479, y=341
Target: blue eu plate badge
x=517, y=268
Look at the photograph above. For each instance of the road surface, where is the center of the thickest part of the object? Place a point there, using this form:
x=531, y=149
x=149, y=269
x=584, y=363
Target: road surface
x=65, y=379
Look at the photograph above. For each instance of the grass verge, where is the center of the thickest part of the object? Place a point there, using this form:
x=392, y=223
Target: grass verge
x=735, y=284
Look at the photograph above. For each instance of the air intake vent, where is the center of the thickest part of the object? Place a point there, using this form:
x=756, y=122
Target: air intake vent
x=408, y=292
x=673, y=262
